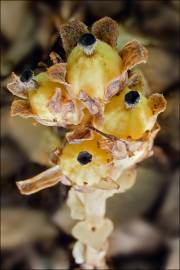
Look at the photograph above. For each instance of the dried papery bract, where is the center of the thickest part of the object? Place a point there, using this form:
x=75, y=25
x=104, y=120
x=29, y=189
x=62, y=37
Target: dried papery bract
x=98, y=96
x=44, y=180
x=49, y=102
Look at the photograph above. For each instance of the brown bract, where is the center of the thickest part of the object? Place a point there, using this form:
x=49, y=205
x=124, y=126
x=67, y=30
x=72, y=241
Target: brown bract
x=106, y=30
x=93, y=105
x=62, y=106
x=79, y=134
x=137, y=81
x=41, y=181
x=57, y=72
x=158, y=103
x=115, y=86
x=133, y=53
x=59, y=109
x=70, y=34
x=21, y=108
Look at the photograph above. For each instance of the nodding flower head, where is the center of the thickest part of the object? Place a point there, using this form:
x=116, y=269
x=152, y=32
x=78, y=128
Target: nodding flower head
x=90, y=70
x=45, y=97
x=94, y=72
x=96, y=96
x=86, y=163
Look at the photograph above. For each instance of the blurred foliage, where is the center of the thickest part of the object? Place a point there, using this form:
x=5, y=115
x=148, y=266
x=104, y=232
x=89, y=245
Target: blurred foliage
x=35, y=230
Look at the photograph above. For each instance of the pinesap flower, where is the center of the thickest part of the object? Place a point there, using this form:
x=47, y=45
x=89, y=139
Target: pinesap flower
x=129, y=115
x=94, y=72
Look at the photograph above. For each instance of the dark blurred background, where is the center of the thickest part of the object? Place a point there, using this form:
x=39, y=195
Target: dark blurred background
x=35, y=230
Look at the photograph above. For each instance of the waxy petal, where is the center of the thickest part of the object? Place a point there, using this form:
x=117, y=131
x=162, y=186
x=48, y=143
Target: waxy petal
x=41, y=181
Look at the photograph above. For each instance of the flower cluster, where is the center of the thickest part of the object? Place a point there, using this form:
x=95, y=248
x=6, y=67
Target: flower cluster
x=100, y=99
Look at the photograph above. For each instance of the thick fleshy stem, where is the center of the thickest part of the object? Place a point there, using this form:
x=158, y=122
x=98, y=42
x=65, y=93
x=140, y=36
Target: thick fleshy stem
x=93, y=229
x=88, y=206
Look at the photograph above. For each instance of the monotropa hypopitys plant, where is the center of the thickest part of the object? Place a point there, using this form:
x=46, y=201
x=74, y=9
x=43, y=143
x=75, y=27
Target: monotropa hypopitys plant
x=98, y=96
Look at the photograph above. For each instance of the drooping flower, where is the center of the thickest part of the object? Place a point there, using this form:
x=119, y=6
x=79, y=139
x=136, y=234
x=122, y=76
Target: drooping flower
x=95, y=71
x=130, y=114
x=95, y=68
x=45, y=98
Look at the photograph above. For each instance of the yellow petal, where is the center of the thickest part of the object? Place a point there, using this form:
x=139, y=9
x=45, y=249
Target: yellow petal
x=129, y=123
x=85, y=174
x=93, y=73
x=50, y=102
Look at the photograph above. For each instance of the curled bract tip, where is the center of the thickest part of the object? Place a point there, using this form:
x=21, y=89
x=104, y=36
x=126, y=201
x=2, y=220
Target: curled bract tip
x=41, y=181
x=107, y=30
x=133, y=53
x=61, y=95
x=50, y=103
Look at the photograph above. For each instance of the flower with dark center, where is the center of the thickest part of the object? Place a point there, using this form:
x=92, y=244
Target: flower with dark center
x=26, y=75
x=131, y=99
x=87, y=41
x=84, y=157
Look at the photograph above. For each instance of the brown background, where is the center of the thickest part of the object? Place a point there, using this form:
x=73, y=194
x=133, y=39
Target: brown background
x=35, y=230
